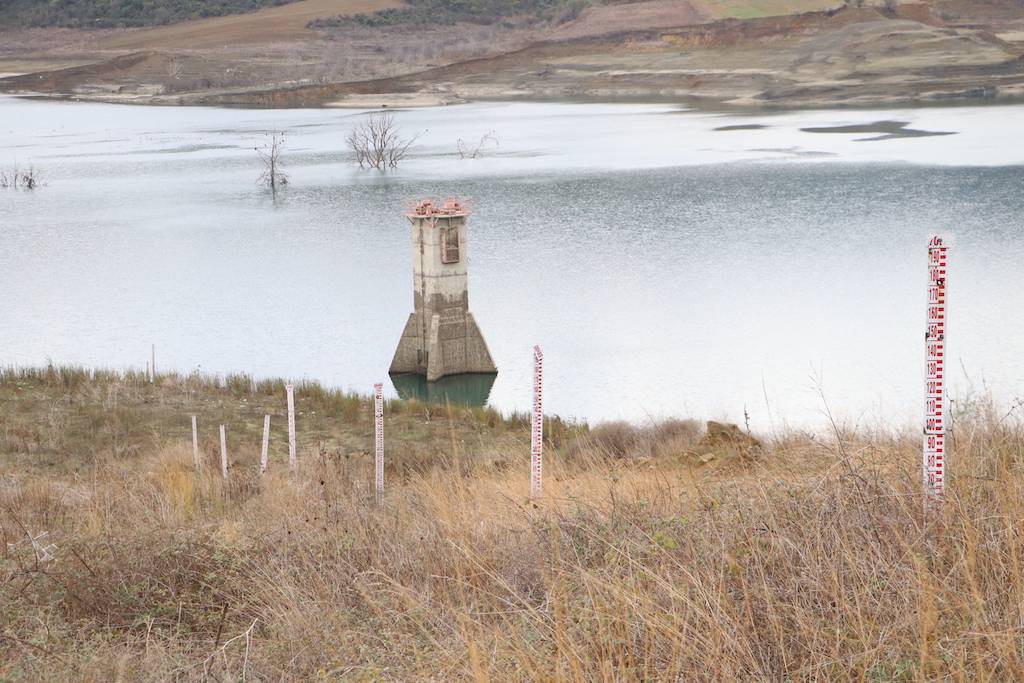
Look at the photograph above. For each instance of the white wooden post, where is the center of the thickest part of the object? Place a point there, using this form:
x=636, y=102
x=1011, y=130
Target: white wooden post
x=378, y=437
x=934, y=464
x=195, y=444
x=537, y=433
x=293, y=462
x=223, y=453
x=152, y=366
x=266, y=444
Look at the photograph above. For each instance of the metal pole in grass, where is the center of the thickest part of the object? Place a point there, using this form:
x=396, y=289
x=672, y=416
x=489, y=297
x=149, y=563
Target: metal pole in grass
x=264, y=452
x=293, y=462
x=195, y=444
x=934, y=463
x=223, y=453
x=537, y=432
x=378, y=438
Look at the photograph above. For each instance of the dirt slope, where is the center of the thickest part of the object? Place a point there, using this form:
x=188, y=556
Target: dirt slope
x=657, y=49
x=849, y=58
x=751, y=9
x=271, y=25
x=662, y=14
x=600, y=20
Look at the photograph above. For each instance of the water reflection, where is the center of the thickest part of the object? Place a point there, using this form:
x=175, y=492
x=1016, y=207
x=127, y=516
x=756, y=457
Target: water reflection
x=463, y=390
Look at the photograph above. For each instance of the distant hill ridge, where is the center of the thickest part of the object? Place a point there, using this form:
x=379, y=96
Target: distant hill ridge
x=119, y=13
x=141, y=13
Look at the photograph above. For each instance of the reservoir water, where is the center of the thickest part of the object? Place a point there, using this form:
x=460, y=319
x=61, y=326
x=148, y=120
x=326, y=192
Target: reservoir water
x=670, y=262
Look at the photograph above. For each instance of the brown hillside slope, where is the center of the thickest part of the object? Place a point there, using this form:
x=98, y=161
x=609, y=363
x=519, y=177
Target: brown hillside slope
x=850, y=58
x=963, y=50
x=274, y=24
x=600, y=20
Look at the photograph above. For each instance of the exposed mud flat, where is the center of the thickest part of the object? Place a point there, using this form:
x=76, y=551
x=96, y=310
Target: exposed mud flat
x=884, y=130
x=742, y=126
x=390, y=100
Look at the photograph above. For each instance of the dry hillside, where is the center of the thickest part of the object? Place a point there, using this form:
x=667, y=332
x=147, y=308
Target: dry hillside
x=722, y=52
x=284, y=23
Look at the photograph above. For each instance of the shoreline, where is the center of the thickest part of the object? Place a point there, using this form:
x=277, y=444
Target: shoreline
x=248, y=387
x=428, y=102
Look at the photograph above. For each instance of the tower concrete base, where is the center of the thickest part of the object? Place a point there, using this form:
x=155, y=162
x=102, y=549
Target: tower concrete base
x=471, y=389
x=452, y=347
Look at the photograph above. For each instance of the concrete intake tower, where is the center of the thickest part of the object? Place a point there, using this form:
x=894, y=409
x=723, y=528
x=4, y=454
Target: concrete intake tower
x=441, y=337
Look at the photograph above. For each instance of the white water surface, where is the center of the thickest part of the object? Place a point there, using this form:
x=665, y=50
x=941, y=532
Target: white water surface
x=667, y=268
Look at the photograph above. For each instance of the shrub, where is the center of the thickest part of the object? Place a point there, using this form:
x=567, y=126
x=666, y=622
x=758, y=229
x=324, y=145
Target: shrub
x=448, y=12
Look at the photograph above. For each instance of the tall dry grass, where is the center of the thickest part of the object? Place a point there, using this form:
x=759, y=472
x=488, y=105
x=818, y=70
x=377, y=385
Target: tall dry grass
x=815, y=562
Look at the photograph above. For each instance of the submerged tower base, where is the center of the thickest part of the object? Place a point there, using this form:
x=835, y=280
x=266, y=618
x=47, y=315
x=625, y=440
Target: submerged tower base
x=441, y=337
x=458, y=390
x=449, y=348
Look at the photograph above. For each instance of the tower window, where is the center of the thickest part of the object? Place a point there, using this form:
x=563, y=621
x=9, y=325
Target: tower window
x=450, y=245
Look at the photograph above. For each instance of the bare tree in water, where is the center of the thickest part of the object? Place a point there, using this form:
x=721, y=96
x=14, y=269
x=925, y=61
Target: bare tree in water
x=467, y=152
x=377, y=142
x=30, y=178
x=26, y=180
x=270, y=153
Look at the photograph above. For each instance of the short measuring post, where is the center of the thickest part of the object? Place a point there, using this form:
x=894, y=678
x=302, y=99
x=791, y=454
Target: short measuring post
x=265, y=450
x=934, y=464
x=195, y=444
x=537, y=433
x=223, y=453
x=378, y=439
x=293, y=461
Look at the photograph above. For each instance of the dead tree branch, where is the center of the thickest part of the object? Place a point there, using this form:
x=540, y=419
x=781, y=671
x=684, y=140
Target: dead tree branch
x=270, y=154
x=488, y=138
x=222, y=651
x=16, y=178
x=30, y=178
x=377, y=142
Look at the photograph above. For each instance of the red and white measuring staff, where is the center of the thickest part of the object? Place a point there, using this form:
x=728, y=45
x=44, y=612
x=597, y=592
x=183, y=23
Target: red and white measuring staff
x=537, y=432
x=378, y=437
x=934, y=465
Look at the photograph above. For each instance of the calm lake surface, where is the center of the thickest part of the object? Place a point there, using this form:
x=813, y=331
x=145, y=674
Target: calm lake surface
x=666, y=268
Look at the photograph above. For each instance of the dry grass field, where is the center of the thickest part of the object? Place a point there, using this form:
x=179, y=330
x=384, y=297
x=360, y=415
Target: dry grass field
x=653, y=555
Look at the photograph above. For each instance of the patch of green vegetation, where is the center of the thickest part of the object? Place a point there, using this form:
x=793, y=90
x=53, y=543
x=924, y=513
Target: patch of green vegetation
x=119, y=13
x=453, y=11
x=61, y=418
x=892, y=672
x=746, y=12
